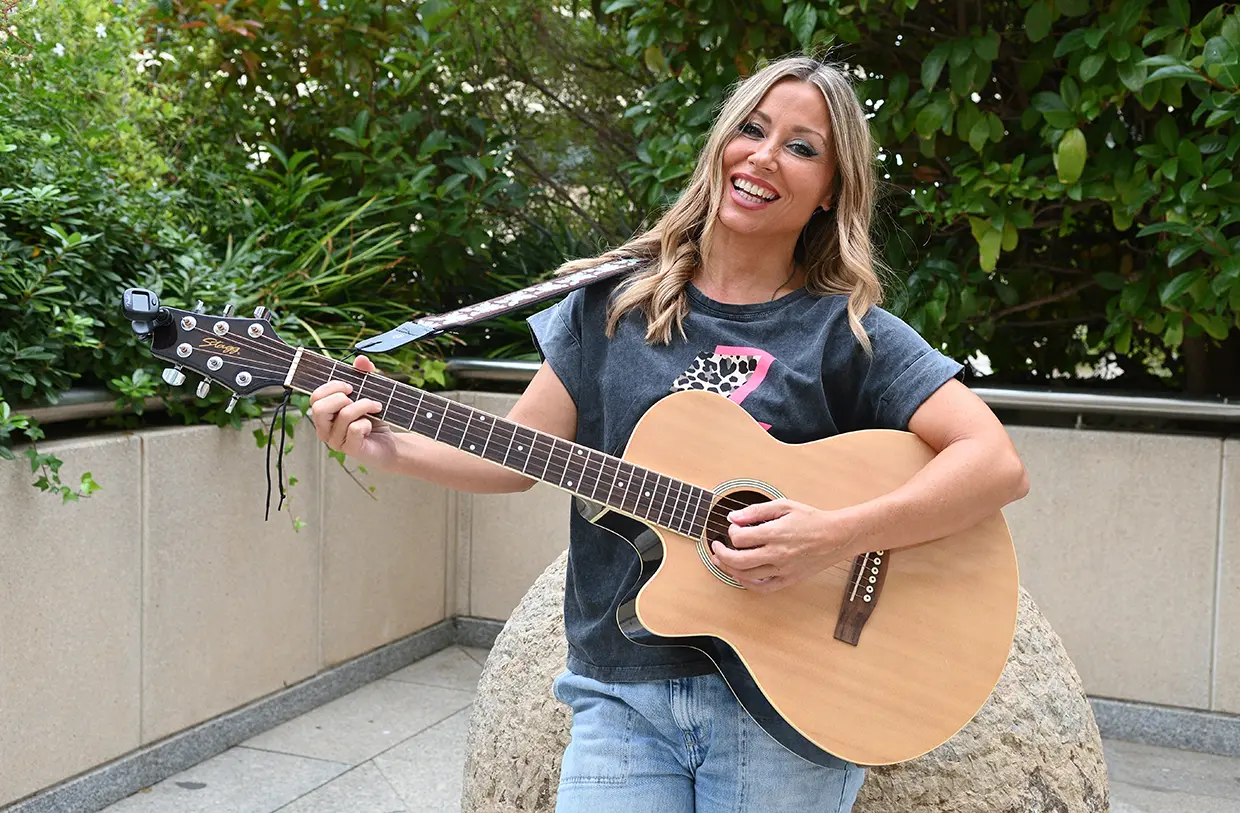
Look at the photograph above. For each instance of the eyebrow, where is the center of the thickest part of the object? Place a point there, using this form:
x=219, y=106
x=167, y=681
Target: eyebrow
x=797, y=129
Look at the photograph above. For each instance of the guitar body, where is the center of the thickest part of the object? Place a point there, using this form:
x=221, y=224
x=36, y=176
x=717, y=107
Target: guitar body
x=936, y=638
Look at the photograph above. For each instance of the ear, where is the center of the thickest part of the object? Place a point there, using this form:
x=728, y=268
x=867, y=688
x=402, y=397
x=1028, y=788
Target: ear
x=827, y=200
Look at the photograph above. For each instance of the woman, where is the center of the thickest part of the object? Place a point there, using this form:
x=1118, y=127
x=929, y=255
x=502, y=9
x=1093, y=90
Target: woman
x=759, y=284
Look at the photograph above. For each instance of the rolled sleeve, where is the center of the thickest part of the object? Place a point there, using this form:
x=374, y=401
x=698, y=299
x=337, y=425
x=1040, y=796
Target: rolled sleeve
x=911, y=388
x=900, y=374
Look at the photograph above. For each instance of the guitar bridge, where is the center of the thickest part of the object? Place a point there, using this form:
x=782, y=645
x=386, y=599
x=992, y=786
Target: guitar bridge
x=864, y=587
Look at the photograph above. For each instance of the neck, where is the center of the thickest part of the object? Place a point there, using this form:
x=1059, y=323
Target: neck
x=611, y=481
x=739, y=269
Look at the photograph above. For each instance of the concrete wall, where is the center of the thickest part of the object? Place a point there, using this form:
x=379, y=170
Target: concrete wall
x=165, y=599
x=1118, y=542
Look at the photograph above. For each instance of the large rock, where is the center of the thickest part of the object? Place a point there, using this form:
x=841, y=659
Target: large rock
x=1033, y=748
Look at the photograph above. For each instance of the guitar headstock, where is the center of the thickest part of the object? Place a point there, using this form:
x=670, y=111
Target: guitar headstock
x=241, y=354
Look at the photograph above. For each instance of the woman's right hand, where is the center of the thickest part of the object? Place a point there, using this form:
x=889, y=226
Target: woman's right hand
x=346, y=426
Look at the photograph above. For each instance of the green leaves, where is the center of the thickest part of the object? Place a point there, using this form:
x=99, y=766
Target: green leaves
x=1038, y=20
x=1132, y=75
x=1180, y=253
x=654, y=59
x=979, y=134
x=933, y=64
x=801, y=18
x=934, y=116
x=1189, y=155
x=987, y=46
x=435, y=12
x=991, y=238
x=491, y=159
x=1070, y=157
x=1091, y=66
x=1176, y=72
x=1052, y=107
x=1221, y=58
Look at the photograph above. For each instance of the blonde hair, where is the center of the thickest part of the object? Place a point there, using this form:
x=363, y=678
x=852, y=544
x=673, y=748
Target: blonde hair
x=834, y=247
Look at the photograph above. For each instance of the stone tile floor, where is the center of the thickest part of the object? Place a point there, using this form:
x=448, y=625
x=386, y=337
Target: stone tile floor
x=396, y=746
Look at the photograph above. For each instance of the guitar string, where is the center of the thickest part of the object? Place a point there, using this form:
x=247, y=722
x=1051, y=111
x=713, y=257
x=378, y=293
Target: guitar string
x=318, y=364
x=710, y=527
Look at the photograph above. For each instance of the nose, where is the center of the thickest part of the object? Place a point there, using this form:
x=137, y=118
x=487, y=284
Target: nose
x=763, y=155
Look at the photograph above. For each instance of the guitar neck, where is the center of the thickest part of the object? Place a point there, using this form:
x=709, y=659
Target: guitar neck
x=646, y=495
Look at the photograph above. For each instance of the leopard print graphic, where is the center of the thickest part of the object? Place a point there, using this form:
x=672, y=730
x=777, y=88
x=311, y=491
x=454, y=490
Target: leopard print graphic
x=717, y=373
x=732, y=372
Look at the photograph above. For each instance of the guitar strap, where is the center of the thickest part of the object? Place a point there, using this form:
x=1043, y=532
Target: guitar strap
x=429, y=326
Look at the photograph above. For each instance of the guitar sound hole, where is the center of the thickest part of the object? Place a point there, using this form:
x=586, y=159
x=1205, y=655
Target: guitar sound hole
x=731, y=501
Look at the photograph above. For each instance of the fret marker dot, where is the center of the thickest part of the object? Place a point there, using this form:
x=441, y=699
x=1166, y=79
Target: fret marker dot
x=578, y=451
x=430, y=414
x=622, y=485
x=471, y=447
x=520, y=448
x=482, y=419
x=647, y=493
x=570, y=482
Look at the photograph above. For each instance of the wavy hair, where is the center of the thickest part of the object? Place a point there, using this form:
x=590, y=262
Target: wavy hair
x=834, y=248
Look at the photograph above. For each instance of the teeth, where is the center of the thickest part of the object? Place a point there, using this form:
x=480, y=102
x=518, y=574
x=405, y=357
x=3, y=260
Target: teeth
x=753, y=189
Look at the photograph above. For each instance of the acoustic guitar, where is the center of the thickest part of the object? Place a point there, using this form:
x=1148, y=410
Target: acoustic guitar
x=876, y=661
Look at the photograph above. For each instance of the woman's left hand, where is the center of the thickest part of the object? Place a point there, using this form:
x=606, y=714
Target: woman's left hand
x=779, y=543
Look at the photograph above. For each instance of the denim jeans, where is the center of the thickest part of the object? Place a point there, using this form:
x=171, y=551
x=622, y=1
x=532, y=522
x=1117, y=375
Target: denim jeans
x=684, y=746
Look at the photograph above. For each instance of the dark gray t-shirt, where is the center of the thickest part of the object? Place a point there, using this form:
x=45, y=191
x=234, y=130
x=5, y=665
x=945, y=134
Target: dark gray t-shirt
x=793, y=364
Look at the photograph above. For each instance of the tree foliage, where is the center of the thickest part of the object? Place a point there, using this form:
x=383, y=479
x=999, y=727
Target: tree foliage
x=1060, y=174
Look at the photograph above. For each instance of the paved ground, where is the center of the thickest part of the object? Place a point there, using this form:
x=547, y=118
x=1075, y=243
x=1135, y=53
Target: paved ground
x=396, y=746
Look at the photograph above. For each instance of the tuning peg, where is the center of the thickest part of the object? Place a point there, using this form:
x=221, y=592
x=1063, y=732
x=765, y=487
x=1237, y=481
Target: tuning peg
x=173, y=376
x=232, y=402
x=262, y=313
x=204, y=387
x=200, y=308
x=228, y=310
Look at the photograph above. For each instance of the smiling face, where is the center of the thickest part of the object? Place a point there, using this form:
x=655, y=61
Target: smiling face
x=780, y=166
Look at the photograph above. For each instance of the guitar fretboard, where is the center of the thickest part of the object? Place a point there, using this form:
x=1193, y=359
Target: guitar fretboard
x=611, y=481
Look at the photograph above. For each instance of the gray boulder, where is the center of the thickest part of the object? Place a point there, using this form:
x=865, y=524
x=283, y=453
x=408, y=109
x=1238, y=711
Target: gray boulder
x=1033, y=748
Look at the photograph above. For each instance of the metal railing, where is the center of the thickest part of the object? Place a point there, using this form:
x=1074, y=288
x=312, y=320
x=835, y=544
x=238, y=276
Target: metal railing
x=96, y=402
x=1220, y=410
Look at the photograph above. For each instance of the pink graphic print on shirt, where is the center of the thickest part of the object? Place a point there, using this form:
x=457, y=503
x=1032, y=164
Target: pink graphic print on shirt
x=733, y=372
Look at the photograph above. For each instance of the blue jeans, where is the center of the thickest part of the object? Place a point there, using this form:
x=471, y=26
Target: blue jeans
x=684, y=746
